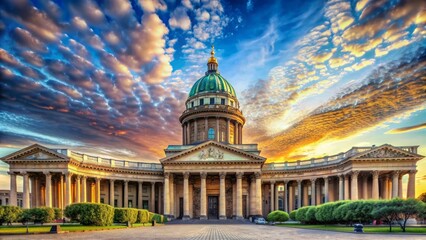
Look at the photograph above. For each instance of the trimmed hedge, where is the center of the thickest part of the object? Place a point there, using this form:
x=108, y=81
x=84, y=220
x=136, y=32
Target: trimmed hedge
x=325, y=212
x=143, y=216
x=9, y=214
x=301, y=214
x=93, y=214
x=123, y=215
x=58, y=213
x=310, y=214
x=158, y=218
x=292, y=215
x=42, y=214
x=278, y=216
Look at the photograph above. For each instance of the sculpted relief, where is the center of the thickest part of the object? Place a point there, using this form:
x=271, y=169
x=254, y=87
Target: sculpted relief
x=211, y=152
x=384, y=153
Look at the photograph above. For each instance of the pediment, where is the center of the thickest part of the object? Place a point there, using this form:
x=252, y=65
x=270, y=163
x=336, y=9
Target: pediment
x=213, y=152
x=386, y=152
x=34, y=152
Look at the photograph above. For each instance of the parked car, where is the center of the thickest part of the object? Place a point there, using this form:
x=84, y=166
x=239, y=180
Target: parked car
x=260, y=221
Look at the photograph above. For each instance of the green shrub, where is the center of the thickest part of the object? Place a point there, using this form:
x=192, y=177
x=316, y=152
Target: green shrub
x=123, y=215
x=324, y=213
x=301, y=214
x=26, y=216
x=278, y=216
x=310, y=214
x=143, y=216
x=9, y=214
x=58, y=213
x=92, y=214
x=150, y=216
x=292, y=215
x=42, y=214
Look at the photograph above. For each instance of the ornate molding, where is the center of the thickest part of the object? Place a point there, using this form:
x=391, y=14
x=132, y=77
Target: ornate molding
x=186, y=175
x=384, y=153
x=258, y=175
x=222, y=175
x=240, y=175
x=203, y=175
x=211, y=152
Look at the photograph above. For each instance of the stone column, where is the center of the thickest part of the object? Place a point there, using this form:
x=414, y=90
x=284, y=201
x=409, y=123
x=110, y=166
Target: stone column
x=166, y=194
x=305, y=195
x=299, y=193
x=217, y=130
x=318, y=193
x=206, y=123
x=258, y=193
x=111, y=192
x=236, y=140
x=37, y=192
x=354, y=185
x=48, y=190
x=13, y=198
x=84, y=189
x=272, y=191
x=365, y=187
x=347, y=187
x=341, y=187
x=26, y=191
x=411, y=187
x=77, y=189
x=253, y=205
x=277, y=205
x=195, y=131
x=140, y=189
x=240, y=135
x=188, y=132
x=68, y=199
x=375, y=187
x=126, y=194
x=385, y=191
x=160, y=201
x=152, y=199
x=326, y=193
x=98, y=190
x=222, y=197
x=286, y=196
x=203, y=197
x=400, y=186
x=228, y=130
x=313, y=195
x=240, y=195
x=172, y=195
x=395, y=176
x=290, y=197
x=185, y=196
x=183, y=134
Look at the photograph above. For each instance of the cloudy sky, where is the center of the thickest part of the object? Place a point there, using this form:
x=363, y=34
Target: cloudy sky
x=314, y=78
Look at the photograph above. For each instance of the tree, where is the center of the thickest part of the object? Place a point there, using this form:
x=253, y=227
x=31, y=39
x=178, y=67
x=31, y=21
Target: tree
x=384, y=210
x=301, y=214
x=406, y=209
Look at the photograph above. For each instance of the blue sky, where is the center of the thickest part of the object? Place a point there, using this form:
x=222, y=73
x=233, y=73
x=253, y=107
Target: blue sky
x=313, y=78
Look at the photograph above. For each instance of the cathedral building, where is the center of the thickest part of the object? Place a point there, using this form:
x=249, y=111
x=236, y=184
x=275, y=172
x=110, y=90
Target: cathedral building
x=212, y=175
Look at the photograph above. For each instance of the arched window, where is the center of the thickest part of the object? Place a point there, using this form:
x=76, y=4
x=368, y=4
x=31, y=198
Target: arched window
x=211, y=134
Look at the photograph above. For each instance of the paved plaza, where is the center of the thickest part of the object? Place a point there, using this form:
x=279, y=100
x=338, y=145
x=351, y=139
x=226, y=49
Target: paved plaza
x=215, y=232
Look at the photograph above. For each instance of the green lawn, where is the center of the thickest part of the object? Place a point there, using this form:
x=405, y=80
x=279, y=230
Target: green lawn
x=367, y=229
x=20, y=229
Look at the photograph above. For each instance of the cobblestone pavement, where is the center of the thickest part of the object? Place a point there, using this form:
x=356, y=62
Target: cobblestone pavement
x=216, y=232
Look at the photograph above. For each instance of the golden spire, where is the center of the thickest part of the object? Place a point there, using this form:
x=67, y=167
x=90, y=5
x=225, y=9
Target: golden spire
x=212, y=59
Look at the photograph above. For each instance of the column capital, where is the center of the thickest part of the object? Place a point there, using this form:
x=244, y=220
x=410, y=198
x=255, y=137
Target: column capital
x=355, y=173
x=203, y=175
x=253, y=179
x=222, y=175
x=326, y=179
x=273, y=182
x=299, y=181
x=47, y=173
x=125, y=180
x=23, y=173
x=153, y=183
x=376, y=173
x=396, y=173
x=84, y=177
x=78, y=177
x=413, y=171
x=186, y=175
x=166, y=175
x=258, y=174
x=240, y=175
x=112, y=180
x=313, y=180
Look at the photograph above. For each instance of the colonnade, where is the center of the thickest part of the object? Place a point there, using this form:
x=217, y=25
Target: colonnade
x=254, y=200
x=56, y=189
x=352, y=186
x=193, y=124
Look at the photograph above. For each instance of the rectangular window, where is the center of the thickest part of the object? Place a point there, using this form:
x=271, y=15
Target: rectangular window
x=222, y=101
x=232, y=103
x=201, y=101
x=130, y=204
x=192, y=104
x=102, y=200
x=115, y=202
x=211, y=101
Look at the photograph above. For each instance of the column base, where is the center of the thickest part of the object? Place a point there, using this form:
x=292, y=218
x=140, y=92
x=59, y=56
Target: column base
x=186, y=217
x=222, y=217
x=203, y=217
x=239, y=218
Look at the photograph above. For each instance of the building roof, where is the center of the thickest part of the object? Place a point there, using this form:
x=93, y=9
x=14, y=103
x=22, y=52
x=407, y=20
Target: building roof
x=212, y=82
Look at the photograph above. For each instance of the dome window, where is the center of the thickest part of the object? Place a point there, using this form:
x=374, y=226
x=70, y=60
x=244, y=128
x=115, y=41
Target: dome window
x=222, y=101
x=211, y=133
x=211, y=101
x=202, y=101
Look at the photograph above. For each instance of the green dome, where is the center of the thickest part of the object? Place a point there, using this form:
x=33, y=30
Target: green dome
x=211, y=83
